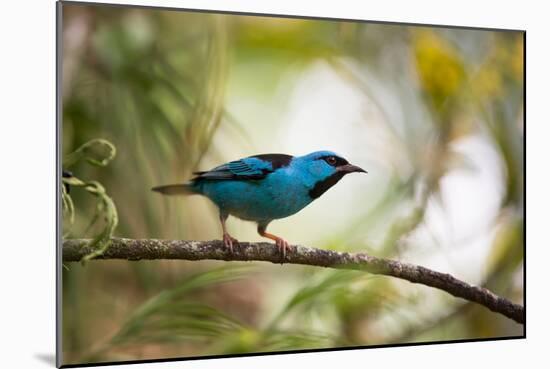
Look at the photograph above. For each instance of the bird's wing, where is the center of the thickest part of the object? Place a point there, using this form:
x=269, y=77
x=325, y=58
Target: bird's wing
x=253, y=167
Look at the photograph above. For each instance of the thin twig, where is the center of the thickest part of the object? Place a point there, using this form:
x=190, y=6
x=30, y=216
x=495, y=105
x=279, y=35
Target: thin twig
x=153, y=249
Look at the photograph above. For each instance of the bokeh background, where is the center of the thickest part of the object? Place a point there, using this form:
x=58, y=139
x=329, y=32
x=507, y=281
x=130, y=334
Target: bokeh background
x=434, y=114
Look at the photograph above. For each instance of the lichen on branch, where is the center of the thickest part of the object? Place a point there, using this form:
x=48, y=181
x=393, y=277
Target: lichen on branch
x=155, y=249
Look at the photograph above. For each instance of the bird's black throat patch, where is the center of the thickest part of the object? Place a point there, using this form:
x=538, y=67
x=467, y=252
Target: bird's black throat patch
x=322, y=186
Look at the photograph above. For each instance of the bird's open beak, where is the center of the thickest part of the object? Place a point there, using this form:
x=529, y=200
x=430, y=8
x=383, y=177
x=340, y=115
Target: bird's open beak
x=350, y=168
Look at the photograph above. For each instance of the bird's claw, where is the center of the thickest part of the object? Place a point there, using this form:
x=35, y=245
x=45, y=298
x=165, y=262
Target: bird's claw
x=282, y=245
x=229, y=241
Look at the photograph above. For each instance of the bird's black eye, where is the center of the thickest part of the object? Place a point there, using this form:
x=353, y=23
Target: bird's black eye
x=331, y=160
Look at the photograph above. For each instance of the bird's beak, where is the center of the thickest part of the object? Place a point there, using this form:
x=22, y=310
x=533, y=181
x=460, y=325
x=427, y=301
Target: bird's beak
x=350, y=168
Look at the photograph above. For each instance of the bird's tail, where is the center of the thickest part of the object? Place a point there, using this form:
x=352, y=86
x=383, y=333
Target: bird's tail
x=175, y=189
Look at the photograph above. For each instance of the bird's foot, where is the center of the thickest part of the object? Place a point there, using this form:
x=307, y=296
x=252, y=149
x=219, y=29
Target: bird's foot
x=282, y=245
x=229, y=241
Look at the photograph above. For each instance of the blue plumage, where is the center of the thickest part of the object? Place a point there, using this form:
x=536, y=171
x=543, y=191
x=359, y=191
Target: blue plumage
x=265, y=187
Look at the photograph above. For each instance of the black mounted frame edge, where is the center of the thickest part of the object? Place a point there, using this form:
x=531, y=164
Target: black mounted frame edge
x=59, y=58
x=304, y=351
x=290, y=16
x=525, y=182
x=58, y=152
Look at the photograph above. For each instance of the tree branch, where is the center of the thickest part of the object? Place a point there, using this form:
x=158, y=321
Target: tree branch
x=152, y=249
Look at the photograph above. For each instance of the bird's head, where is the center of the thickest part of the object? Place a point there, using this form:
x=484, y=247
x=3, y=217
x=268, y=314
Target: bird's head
x=323, y=169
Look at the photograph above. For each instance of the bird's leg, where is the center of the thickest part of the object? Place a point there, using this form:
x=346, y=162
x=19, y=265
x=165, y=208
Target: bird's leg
x=279, y=242
x=228, y=241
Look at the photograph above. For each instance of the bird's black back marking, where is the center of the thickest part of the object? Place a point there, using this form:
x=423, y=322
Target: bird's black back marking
x=322, y=186
x=240, y=170
x=277, y=160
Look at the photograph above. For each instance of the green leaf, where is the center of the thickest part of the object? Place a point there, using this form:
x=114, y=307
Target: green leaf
x=98, y=152
x=170, y=316
x=105, y=207
x=309, y=295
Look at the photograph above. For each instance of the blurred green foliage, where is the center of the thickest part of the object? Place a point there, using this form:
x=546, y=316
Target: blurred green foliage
x=105, y=207
x=165, y=87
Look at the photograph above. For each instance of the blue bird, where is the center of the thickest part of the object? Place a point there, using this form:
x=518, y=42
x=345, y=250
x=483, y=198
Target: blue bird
x=265, y=187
